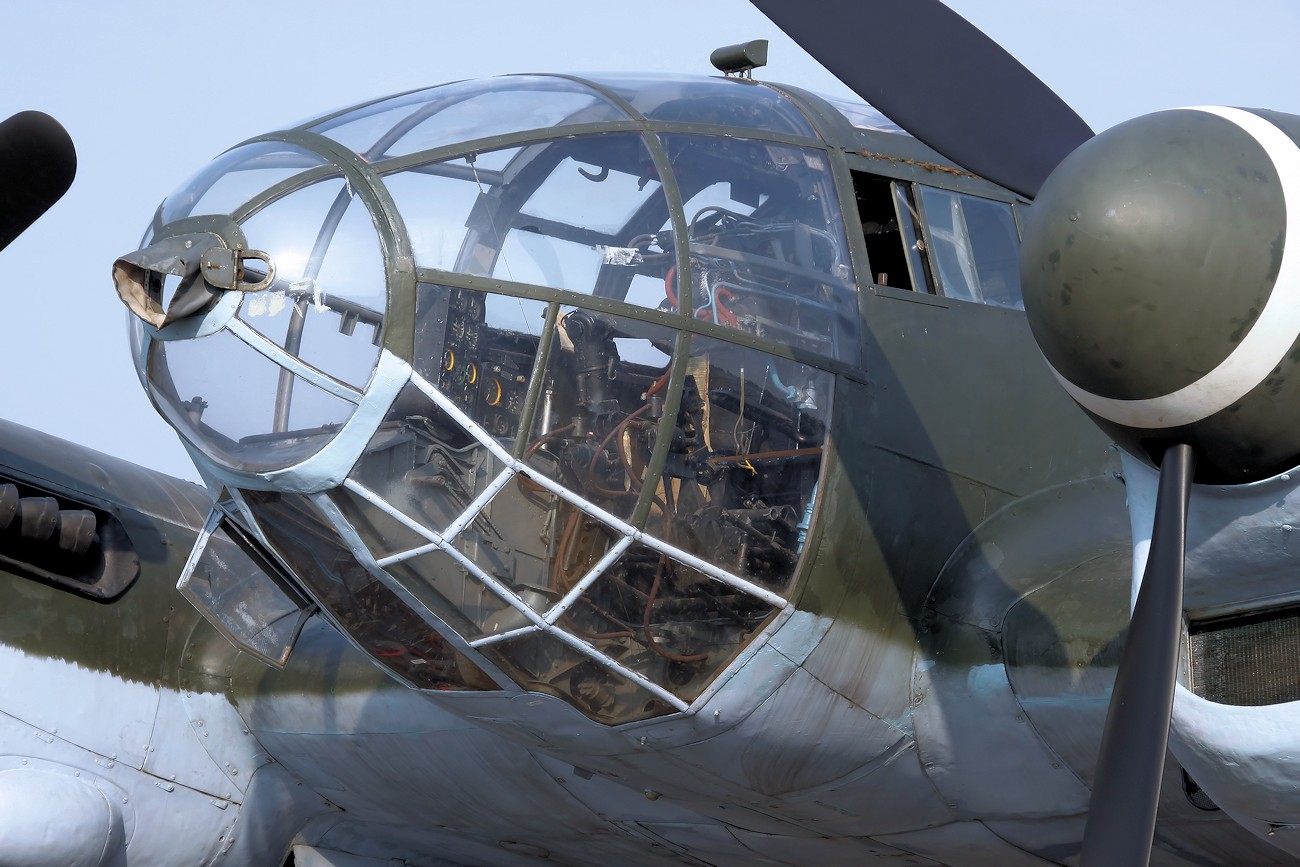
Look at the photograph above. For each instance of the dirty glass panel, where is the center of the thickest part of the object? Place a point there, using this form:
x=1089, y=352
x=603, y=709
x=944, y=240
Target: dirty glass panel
x=232, y=586
x=236, y=177
x=327, y=303
x=768, y=251
x=540, y=663
x=729, y=102
x=386, y=628
x=740, y=483
x=465, y=111
x=223, y=394
x=603, y=396
x=665, y=621
x=974, y=246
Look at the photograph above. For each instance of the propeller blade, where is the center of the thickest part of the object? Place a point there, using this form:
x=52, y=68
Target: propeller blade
x=1126, y=788
x=941, y=79
x=37, y=164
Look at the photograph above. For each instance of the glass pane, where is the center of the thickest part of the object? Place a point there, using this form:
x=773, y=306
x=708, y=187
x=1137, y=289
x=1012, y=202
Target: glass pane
x=465, y=111
x=863, y=116
x=740, y=493
x=479, y=350
x=542, y=664
x=465, y=603
x=724, y=101
x=523, y=537
x=223, y=396
x=359, y=129
x=423, y=466
x=974, y=246
x=383, y=534
x=909, y=230
x=232, y=586
x=767, y=242
x=528, y=256
x=440, y=202
x=587, y=192
x=604, y=392
x=390, y=631
x=236, y=177
x=327, y=302
x=581, y=214
x=665, y=621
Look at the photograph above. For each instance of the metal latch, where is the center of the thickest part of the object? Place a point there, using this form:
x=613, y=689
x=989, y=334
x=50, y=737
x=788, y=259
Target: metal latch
x=224, y=269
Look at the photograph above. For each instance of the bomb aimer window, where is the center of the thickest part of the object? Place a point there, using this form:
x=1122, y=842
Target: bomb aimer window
x=232, y=583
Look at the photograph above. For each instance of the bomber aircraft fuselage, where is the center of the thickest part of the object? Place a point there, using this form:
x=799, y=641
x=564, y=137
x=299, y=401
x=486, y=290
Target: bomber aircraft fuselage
x=610, y=468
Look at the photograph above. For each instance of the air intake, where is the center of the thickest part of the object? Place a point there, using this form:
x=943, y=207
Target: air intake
x=1251, y=659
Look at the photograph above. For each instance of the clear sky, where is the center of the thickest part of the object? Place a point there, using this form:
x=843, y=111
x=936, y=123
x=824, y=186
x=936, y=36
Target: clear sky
x=151, y=91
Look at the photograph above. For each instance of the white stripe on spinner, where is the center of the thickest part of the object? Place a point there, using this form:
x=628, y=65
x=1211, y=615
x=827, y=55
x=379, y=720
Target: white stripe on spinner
x=1268, y=340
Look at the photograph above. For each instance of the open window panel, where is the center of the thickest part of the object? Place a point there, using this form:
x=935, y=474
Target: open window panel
x=891, y=232
x=242, y=593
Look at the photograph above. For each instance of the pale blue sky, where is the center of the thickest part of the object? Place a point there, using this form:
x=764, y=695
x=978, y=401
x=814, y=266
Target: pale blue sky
x=151, y=91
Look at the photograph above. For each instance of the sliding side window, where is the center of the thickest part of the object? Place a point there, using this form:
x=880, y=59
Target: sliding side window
x=974, y=247
x=889, y=227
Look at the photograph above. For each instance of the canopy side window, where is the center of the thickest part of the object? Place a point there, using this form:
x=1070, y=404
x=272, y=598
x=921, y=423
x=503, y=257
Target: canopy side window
x=888, y=218
x=974, y=247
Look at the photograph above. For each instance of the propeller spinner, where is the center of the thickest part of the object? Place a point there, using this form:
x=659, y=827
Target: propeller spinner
x=1159, y=286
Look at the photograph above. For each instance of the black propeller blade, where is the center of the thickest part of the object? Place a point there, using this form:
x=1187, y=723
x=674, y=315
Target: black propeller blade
x=37, y=164
x=937, y=76
x=1126, y=788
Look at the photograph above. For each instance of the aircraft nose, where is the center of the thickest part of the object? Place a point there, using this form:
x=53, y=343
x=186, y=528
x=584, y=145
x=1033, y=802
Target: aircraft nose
x=1162, y=285
x=519, y=409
